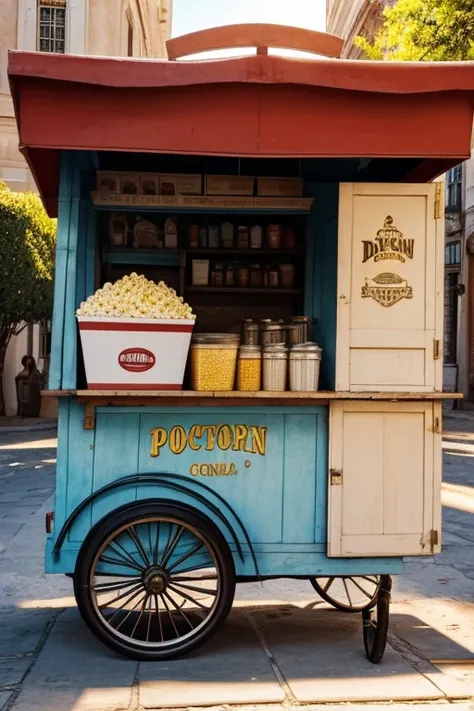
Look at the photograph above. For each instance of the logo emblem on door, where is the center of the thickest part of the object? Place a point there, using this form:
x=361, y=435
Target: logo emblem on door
x=387, y=289
x=136, y=360
x=388, y=244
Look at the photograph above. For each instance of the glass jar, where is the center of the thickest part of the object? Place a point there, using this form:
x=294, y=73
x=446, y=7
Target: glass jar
x=274, y=236
x=229, y=275
x=249, y=368
x=243, y=276
x=217, y=275
x=255, y=276
x=203, y=243
x=213, y=237
x=213, y=360
x=193, y=236
x=266, y=275
x=275, y=366
x=305, y=361
x=290, y=238
x=249, y=332
x=256, y=237
x=227, y=235
x=273, y=278
x=287, y=274
x=242, y=237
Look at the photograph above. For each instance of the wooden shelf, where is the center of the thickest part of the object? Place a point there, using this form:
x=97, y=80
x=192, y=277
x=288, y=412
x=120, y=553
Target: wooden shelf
x=240, y=290
x=129, y=255
x=245, y=252
x=254, y=395
x=202, y=203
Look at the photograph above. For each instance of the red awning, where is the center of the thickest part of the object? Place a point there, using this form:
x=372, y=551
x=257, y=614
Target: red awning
x=259, y=105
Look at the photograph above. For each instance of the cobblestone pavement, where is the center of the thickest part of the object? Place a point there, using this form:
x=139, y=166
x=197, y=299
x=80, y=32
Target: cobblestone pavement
x=281, y=647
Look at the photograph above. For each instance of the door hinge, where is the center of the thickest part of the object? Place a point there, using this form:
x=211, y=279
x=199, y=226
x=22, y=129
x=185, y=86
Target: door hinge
x=436, y=349
x=438, y=213
x=434, y=539
x=336, y=477
x=437, y=426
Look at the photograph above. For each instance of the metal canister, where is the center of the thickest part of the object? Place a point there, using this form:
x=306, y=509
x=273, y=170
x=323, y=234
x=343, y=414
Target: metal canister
x=250, y=332
x=299, y=330
x=305, y=361
x=271, y=333
x=275, y=366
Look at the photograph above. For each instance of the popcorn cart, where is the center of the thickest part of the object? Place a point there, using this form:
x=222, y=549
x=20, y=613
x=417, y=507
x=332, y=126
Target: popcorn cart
x=247, y=328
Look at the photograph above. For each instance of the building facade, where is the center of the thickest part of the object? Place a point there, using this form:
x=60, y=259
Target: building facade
x=133, y=28
x=352, y=18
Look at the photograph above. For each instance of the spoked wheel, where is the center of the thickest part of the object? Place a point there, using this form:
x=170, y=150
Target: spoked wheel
x=154, y=581
x=375, y=623
x=349, y=593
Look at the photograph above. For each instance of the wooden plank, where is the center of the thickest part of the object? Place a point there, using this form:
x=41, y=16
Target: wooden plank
x=69, y=366
x=142, y=397
x=259, y=35
x=300, y=435
x=90, y=250
x=193, y=202
x=62, y=241
x=344, y=286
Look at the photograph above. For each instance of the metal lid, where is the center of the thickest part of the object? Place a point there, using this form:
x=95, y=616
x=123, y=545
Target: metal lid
x=306, y=346
x=232, y=339
x=250, y=351
x=272, y=326
x=301, y=319
x=275, y=348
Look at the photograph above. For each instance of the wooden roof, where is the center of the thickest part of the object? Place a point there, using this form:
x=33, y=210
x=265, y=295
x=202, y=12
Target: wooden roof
x=260, y=105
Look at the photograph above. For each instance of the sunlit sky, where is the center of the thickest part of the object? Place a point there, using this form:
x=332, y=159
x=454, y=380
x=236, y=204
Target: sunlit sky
x=189, y=15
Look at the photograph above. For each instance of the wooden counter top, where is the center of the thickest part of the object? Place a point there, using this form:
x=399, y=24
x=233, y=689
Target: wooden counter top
x=182, y=398
x=235, y=396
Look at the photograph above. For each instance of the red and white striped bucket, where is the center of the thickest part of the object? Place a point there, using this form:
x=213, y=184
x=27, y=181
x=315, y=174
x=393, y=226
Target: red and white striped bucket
x=134, y=354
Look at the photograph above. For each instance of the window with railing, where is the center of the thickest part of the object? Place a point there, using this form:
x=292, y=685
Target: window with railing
x=51, y=26
x=454, y=189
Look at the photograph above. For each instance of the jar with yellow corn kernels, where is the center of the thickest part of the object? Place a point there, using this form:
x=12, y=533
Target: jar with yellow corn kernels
x=249, y=368
x=213, y=360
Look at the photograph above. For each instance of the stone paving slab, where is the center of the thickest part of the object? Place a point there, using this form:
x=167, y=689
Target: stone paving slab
x=4, y=698
x=232, y=668
x=21, y=630
x=321, y=655
x=75, y=671
x=13, y=670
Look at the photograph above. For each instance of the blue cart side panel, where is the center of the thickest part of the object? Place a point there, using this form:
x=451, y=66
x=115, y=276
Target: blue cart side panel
x=269, y=465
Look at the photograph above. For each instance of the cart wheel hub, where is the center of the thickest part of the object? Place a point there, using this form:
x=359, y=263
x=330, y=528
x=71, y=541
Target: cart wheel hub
x=157, y=584
x=155, y=581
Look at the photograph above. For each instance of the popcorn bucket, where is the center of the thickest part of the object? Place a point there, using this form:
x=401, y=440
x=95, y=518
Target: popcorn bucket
x=134, y=353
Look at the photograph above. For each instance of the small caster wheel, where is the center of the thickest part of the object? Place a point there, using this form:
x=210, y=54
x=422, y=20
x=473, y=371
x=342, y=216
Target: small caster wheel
x=375, y=623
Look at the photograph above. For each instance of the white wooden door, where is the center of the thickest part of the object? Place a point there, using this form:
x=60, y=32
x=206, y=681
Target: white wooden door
x=390, y=287
x=384, y=479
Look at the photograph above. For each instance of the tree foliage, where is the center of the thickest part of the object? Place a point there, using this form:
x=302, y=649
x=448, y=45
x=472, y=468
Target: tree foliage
x=27, y=243
x=424, y=30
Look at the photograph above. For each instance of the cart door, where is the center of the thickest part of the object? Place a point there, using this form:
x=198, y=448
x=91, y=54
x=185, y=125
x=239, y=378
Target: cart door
x=384, y=479
x=390, y=287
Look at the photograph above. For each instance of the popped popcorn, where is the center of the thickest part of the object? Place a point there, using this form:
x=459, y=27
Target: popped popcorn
x=135, y=296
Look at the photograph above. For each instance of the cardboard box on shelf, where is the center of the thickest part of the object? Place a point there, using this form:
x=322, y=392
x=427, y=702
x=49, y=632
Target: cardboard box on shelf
x=229, y=185
x=280, y=187
x=180, y=184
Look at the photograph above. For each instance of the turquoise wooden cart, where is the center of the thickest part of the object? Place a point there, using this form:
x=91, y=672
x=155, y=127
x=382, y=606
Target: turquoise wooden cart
x=165, y=500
